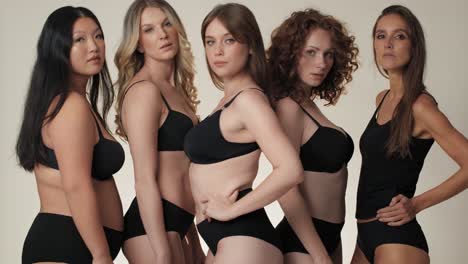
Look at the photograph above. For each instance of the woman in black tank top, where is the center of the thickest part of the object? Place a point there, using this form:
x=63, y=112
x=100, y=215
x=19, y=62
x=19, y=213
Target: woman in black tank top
x=394, y=145
x=318, y=67
x=155, y=110
x=225, y=147
x=64, y=139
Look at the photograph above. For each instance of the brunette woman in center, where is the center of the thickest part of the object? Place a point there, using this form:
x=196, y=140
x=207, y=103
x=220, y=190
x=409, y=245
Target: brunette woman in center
x=225, y=147
x=312, y=57
x=155, y=109
x=394, y=145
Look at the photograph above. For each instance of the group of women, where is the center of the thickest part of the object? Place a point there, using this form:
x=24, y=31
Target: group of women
x=186, y=168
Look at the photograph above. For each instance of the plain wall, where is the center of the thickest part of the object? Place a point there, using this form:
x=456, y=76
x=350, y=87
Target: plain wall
x=444, y=23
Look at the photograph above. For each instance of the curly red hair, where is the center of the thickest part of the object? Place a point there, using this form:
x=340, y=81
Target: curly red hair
x=287, y=42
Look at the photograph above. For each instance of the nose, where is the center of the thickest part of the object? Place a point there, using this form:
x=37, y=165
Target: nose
x=219, y=49
x=389, y=43
x=320, y=61
x=162, y=34
x=92, y=45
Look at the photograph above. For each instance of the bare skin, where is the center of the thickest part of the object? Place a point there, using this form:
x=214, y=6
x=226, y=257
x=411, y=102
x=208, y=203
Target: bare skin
x=322, y=194
x=392, y=39
x=248, y=119
x=71, y=190
x=158, y=174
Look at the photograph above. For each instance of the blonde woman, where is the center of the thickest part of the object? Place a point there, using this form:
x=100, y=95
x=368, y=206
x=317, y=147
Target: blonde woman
x=155, y=109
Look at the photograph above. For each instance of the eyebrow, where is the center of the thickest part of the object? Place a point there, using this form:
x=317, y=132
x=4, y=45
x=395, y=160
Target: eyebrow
x=395, y=30
x=208, y=36
x=164, y=20
x=312, y=46
x=81, y=31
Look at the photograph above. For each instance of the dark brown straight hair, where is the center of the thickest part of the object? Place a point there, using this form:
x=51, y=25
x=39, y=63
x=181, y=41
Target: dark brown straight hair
x=402, y=123
x=241, y=23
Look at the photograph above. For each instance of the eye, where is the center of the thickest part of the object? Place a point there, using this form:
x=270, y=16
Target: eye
x=379, y=36
x=79, y=40
x=330, y=55
x=100, y=36
x=167, y=23
x=310, y=52
x=209, y=42
x=400, y=36
x=229, y=41
x=148, y=29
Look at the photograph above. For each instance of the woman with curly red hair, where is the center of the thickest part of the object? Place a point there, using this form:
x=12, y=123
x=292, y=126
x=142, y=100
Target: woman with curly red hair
x=312, y=56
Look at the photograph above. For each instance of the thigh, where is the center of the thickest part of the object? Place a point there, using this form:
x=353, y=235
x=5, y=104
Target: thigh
x=337, y=255
x=138, y=250
x=177, y=252
x=297, y=258
x=247, y=250
x=358, y=256
x=400, y=253
x=209, y=258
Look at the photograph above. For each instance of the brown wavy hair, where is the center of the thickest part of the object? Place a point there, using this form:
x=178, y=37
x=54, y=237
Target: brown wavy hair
x=287, y=43
x=402, y=123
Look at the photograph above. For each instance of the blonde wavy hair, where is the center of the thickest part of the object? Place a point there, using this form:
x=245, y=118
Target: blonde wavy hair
x=129, y=60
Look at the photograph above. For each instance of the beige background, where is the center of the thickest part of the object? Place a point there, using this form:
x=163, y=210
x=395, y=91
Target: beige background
x=444, y=23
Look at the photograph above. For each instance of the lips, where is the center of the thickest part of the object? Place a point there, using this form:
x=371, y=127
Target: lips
x=220, y=63
x=167, y=45
x=94, y=59
x=318, y=75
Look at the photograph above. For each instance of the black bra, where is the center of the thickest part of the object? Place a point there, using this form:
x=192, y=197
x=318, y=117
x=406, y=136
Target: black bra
x=108, y=157
x=205, y=144
x=172, y=132
x=327, y=150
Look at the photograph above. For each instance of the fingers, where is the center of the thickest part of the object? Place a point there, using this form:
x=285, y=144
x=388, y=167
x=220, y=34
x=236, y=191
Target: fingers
x=401, y=222
x=233, y=196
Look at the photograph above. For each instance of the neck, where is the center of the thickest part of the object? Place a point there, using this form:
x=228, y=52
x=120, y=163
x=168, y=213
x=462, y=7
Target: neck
x=237, y=82
x=78, y=83
x=160, y=71
x=396, y=84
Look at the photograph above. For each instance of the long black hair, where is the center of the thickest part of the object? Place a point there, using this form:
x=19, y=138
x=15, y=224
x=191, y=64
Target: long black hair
x=50, y=78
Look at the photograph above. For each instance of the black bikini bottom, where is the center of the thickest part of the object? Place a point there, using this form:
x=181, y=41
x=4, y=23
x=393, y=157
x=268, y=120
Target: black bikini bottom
x=55, y=238
x=329, y=233
x=255, y=224
x=175, y=219
x=376, y=233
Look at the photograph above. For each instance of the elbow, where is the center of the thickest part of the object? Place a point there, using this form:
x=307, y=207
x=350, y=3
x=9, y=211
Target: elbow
x=76, y=187
x=296, y=173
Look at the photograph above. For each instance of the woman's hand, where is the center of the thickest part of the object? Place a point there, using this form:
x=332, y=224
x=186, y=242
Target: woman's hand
x=220, y=207
x=400, y=211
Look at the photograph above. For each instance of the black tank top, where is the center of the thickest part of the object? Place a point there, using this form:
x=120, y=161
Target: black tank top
x=108, y=157
x=205, y=144
x=172, y=132
x=384, y=177
x=327, y=150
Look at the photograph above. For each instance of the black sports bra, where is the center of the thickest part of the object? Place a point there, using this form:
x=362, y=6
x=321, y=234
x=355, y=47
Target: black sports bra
x=327, y=150
x=172, y=132
x=205, y=144
x=108, y=157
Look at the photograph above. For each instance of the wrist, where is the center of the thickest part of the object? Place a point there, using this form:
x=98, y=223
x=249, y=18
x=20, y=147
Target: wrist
x=418, y=204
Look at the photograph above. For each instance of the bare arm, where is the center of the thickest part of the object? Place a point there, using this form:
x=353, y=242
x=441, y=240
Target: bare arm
x=292, y=203
x=73, y=135
x=141, y=115
x=429, y=117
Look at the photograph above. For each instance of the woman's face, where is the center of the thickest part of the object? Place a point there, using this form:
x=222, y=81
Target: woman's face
x=87, y=54
x=159, y=39
x=392, y=45
x=316, y=58
x=226, y=56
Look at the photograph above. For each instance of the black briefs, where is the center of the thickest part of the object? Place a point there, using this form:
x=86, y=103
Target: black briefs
x=175, y=219
x=255, y=224
x=329, y=233
x=376, y=233
x=55, y=238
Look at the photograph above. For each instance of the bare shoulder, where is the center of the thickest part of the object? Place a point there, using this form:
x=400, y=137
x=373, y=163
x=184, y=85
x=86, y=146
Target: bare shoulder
x=380, y=96
x=75, y=106
x=143, y=90
x=424, y=105
x=251, y=98
x=288, y=107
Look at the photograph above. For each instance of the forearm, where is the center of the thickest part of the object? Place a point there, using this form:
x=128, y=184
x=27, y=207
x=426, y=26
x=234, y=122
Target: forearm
x=152, y=215
x=84, y=210
x=449, y=188
x=299, y=217
x=270, y=190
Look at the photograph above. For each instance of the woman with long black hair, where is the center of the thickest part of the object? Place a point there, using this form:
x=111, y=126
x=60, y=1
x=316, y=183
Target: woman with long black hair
x=65, y=141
